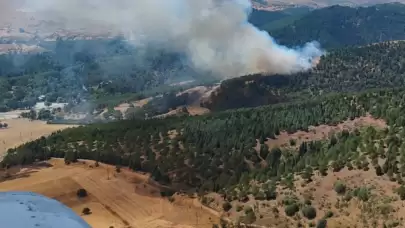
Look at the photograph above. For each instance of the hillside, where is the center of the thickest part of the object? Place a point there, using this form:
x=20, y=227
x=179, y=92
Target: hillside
x=338, y=26
x=271, y=20
x=342, y=70
x=216, y=152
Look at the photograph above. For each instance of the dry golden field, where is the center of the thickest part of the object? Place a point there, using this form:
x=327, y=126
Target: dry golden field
x=20, y=131
x=120, y=200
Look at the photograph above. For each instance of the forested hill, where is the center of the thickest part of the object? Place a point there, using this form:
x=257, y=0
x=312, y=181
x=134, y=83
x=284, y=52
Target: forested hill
x=342, y=70
x=216, y=152
x=338, y=26
x=74, y=70
x=270, y=20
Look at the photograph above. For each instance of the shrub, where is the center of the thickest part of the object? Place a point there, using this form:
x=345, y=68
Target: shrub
x=291, y=209
x=271, y=195
x=309, y=212
x=323, y=170
x=385, y=209
x=378, y=170
x=340, y=188
x=321, y=223
x=307, y=202
x=239, y=208
x=204, y=200
x=248, y=209
x=166, y=192
x=86, y=211
x=227, y=206
x=348, y=196
x=249, y=218
x=171, y=199
x=292, y=142
x=401, y=192
x=362, y=193
x=260, y=195
x=329, y=214
x=289, y=200
x=81, y=193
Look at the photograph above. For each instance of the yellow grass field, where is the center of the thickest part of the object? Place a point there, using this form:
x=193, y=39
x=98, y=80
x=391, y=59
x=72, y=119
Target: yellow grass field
x=20, y=131
x=121, y=200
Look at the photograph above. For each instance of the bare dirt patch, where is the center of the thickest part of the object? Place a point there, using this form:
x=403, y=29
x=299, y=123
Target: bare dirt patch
x=323, y=131
x=195, y=94
x=114, y=198
x=125, y=106
x=196, y=110
x=20, y=131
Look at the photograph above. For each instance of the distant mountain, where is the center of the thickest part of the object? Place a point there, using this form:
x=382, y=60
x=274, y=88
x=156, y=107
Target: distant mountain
x=274, y=5
x=338, y=26
x=271, y=20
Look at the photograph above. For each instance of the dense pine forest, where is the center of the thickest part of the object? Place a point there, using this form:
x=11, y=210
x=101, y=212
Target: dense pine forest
x=338, y=26
x=272, y=20
x=342, y=70
x=216, y=151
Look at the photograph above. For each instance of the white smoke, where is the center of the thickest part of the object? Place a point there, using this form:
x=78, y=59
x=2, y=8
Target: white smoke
x=214, y=34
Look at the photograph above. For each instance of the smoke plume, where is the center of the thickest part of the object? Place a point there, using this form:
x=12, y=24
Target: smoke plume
x=214, y=34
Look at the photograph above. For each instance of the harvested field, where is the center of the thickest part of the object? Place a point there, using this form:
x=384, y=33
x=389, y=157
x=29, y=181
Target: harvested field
x=20, y=131
x=121, y=200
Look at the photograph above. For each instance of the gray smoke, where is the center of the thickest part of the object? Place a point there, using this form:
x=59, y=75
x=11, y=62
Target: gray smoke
x=214, y=34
